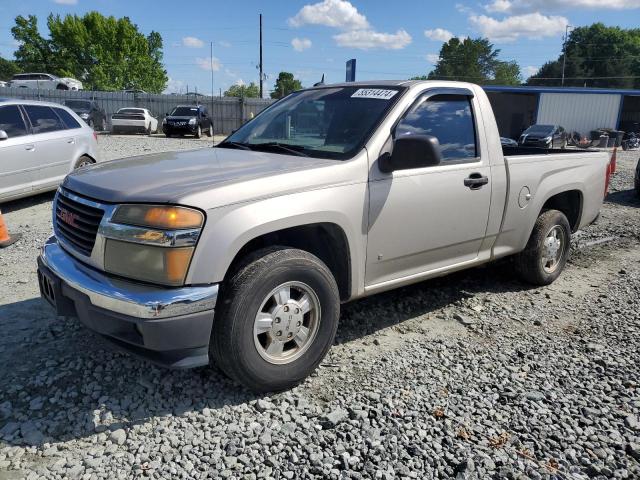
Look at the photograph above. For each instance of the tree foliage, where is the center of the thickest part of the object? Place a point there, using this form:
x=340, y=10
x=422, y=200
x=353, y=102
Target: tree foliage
x=285, y=84
x=596, y=56
x=105, y=53
x=243, y=91
x=8, y=68
x=474, y=60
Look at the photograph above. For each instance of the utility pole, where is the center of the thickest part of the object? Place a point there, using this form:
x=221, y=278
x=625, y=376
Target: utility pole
x=564, y=50
x=212, y=94
x=260, y=55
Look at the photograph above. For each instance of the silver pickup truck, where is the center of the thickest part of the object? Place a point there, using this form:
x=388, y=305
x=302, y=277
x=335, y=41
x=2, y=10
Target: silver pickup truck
x=242, y=254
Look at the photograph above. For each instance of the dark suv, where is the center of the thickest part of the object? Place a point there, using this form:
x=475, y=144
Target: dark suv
x=188, y=119
x=90, y=112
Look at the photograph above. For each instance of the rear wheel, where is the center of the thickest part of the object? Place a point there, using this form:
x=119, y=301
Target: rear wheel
x=547, y=250
x=199, y=132
x=276, y=319
x=148, y=132
x=84, y=161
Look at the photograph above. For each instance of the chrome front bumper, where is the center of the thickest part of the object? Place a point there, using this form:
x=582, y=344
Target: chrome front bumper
x=129, y=298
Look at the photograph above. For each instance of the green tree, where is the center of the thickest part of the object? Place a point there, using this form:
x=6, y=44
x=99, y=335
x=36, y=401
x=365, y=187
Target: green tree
x=596, y=56
x=285, y=84
x=242, y=90
x=106, y=53
x=8, y=68
x=474, y=60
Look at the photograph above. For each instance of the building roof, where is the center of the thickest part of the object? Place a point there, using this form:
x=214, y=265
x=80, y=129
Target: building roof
x=535, y=89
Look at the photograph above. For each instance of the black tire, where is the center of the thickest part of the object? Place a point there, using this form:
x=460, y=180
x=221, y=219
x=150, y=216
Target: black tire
x=148, y=132
x=210, y=131
x=83, y=161
x=233, y=347
x=114, y=131
x=198, y=133
x=528, y=263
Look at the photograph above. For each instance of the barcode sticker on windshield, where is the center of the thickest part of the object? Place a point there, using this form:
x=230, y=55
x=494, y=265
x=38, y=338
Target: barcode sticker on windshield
x=374, y=93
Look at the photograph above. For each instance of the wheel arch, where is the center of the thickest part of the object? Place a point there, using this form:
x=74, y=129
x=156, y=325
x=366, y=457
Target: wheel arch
x=570, y=202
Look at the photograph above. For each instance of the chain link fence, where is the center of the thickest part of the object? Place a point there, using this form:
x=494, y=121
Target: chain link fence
x=228, y=113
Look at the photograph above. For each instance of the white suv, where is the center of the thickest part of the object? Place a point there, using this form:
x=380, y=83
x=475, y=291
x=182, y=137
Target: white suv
x=40, y=143
x=44, y=81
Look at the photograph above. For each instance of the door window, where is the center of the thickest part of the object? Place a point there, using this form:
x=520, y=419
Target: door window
x=43, y=119
x=11, y=121
x=449, y=118
x=66, y=117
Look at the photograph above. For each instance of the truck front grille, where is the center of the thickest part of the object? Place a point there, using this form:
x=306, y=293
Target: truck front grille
x=77, y=223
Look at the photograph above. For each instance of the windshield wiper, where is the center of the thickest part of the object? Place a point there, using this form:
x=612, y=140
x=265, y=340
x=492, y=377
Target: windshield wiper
x=241, y=146
x=285, y=147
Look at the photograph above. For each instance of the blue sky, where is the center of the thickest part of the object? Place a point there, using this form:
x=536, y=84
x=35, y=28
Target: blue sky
x=388, y=39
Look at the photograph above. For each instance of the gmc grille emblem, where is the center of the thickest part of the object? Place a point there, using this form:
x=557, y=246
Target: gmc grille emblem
x=68, y=217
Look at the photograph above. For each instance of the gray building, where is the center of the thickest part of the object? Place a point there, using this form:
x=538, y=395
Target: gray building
x=576, y=109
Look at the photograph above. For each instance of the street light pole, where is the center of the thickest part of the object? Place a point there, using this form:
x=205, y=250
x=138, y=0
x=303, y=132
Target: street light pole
x=564, y=50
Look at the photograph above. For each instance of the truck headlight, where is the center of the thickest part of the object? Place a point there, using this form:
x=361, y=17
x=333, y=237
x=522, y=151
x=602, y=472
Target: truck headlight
x=192, y=121
x=547, y=139
x=152, y=243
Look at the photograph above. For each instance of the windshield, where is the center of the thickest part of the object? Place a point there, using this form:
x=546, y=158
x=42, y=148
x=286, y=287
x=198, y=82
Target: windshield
x=78, y=105
x=542, y=129
x=325, y=122
x=184, y=112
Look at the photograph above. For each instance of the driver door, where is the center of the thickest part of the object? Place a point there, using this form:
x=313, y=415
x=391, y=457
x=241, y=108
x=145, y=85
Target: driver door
x=428, y=218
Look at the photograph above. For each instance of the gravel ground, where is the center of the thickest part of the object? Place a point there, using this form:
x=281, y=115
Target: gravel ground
x=469, y=376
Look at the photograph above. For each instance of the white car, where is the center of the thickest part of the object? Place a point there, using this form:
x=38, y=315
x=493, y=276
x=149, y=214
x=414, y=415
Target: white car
x=133, y=120
x=44, y=81
x=40, y=143
x=3, y=84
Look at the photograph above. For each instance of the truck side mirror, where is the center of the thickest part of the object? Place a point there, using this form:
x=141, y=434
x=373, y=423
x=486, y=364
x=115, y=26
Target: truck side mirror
x=411, y=151
x=3, y=135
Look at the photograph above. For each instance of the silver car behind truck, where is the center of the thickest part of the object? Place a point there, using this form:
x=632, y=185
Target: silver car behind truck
x=244, y=253
x=40, y=143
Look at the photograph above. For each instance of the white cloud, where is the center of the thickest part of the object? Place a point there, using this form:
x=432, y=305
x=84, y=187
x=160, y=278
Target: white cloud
x=367, y=39
x=330, y=13
x=192, y=42
x=224, y=43
x=357, y=33
x=529, y=70
x=174, y=86
x=209, y=64
x=300, y=44
x=531, y=25
x=66, y=2
x=527, y=6
x=432, y=58
x=439, y=34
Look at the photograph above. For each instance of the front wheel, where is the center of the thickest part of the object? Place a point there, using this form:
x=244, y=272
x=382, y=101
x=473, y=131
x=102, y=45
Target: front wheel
x=547, y=250
x=276, y=319
x=83, y=161
x=210, y=131
x=199, y=132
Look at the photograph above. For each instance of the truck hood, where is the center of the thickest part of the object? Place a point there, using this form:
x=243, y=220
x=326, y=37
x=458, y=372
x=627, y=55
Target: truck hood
x=204, y=178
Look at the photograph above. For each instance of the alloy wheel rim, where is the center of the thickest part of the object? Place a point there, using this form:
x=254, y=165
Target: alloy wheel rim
x=552, y=249
x=286, y=323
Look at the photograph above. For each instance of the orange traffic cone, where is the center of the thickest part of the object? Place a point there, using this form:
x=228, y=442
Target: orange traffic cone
x=5, y=238
x=612, y=162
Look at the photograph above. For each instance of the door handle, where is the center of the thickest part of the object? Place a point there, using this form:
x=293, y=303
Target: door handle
x=30, y=148
x=475, y=181
x=71, y=140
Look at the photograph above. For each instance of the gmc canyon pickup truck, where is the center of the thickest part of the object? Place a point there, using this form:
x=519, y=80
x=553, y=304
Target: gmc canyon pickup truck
x=242, y=254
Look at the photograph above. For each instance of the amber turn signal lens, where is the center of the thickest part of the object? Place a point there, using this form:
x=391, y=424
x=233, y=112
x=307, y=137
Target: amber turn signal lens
x=177, y=263
x=155, y=216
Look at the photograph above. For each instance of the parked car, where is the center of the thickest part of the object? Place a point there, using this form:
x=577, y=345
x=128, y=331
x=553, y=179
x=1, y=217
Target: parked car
x=508, y=142
x=3, y=84
x=188, y=119
x=544, y=136
x=40, y=143
x=90, y=112
x=133, y=120
x=134, y=90
x=244, y=253
x=44, y=81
